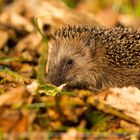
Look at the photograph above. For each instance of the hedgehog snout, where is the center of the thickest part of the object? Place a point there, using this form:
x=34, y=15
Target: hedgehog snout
x=56, y=80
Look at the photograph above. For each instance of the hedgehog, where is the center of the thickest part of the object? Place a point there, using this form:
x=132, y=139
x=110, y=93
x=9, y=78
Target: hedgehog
x=84, y=56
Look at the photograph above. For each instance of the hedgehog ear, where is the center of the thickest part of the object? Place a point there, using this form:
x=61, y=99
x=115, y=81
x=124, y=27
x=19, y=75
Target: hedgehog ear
x=90, y=43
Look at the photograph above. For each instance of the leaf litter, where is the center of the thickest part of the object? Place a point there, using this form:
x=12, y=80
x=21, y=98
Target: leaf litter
x=33, y=109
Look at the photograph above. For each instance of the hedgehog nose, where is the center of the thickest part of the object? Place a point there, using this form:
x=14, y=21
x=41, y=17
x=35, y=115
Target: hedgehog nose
x=56, y=83
x=54, y=80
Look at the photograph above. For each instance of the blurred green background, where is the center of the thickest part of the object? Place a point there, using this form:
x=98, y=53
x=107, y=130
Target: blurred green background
x=131, y=7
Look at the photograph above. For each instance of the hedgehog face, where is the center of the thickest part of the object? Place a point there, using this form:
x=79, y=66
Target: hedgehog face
x=70, y=62
x=75, y=58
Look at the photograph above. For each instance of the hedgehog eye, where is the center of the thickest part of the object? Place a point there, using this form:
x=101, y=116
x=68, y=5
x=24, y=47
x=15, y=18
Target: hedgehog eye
x=70, y=62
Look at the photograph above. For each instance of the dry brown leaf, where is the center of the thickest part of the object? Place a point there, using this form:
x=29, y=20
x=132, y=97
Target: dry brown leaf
x=53, y=114
x=125, y=99
x=30, y=42
x=72, y=134
x=21, y=125
x=15, y=20
x=17, y=6
x=56, y=124
x=57, y=14
x=107, y=18
x=14, y=96
x=4, y=37
x=26, y=70
x=66, y=100
x=129, y=126
x=8, y=119
x=127, y=20
x=39, y=135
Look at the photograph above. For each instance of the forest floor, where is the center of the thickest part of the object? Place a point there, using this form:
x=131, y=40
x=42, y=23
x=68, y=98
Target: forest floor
x=32, y=109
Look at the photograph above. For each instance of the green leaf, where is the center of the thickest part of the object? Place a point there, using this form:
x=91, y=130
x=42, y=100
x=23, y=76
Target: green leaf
x=41, y=73
x=51, y=90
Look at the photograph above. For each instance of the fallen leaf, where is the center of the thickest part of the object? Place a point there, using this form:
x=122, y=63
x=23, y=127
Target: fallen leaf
x=14, y=96
x=4, y=35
